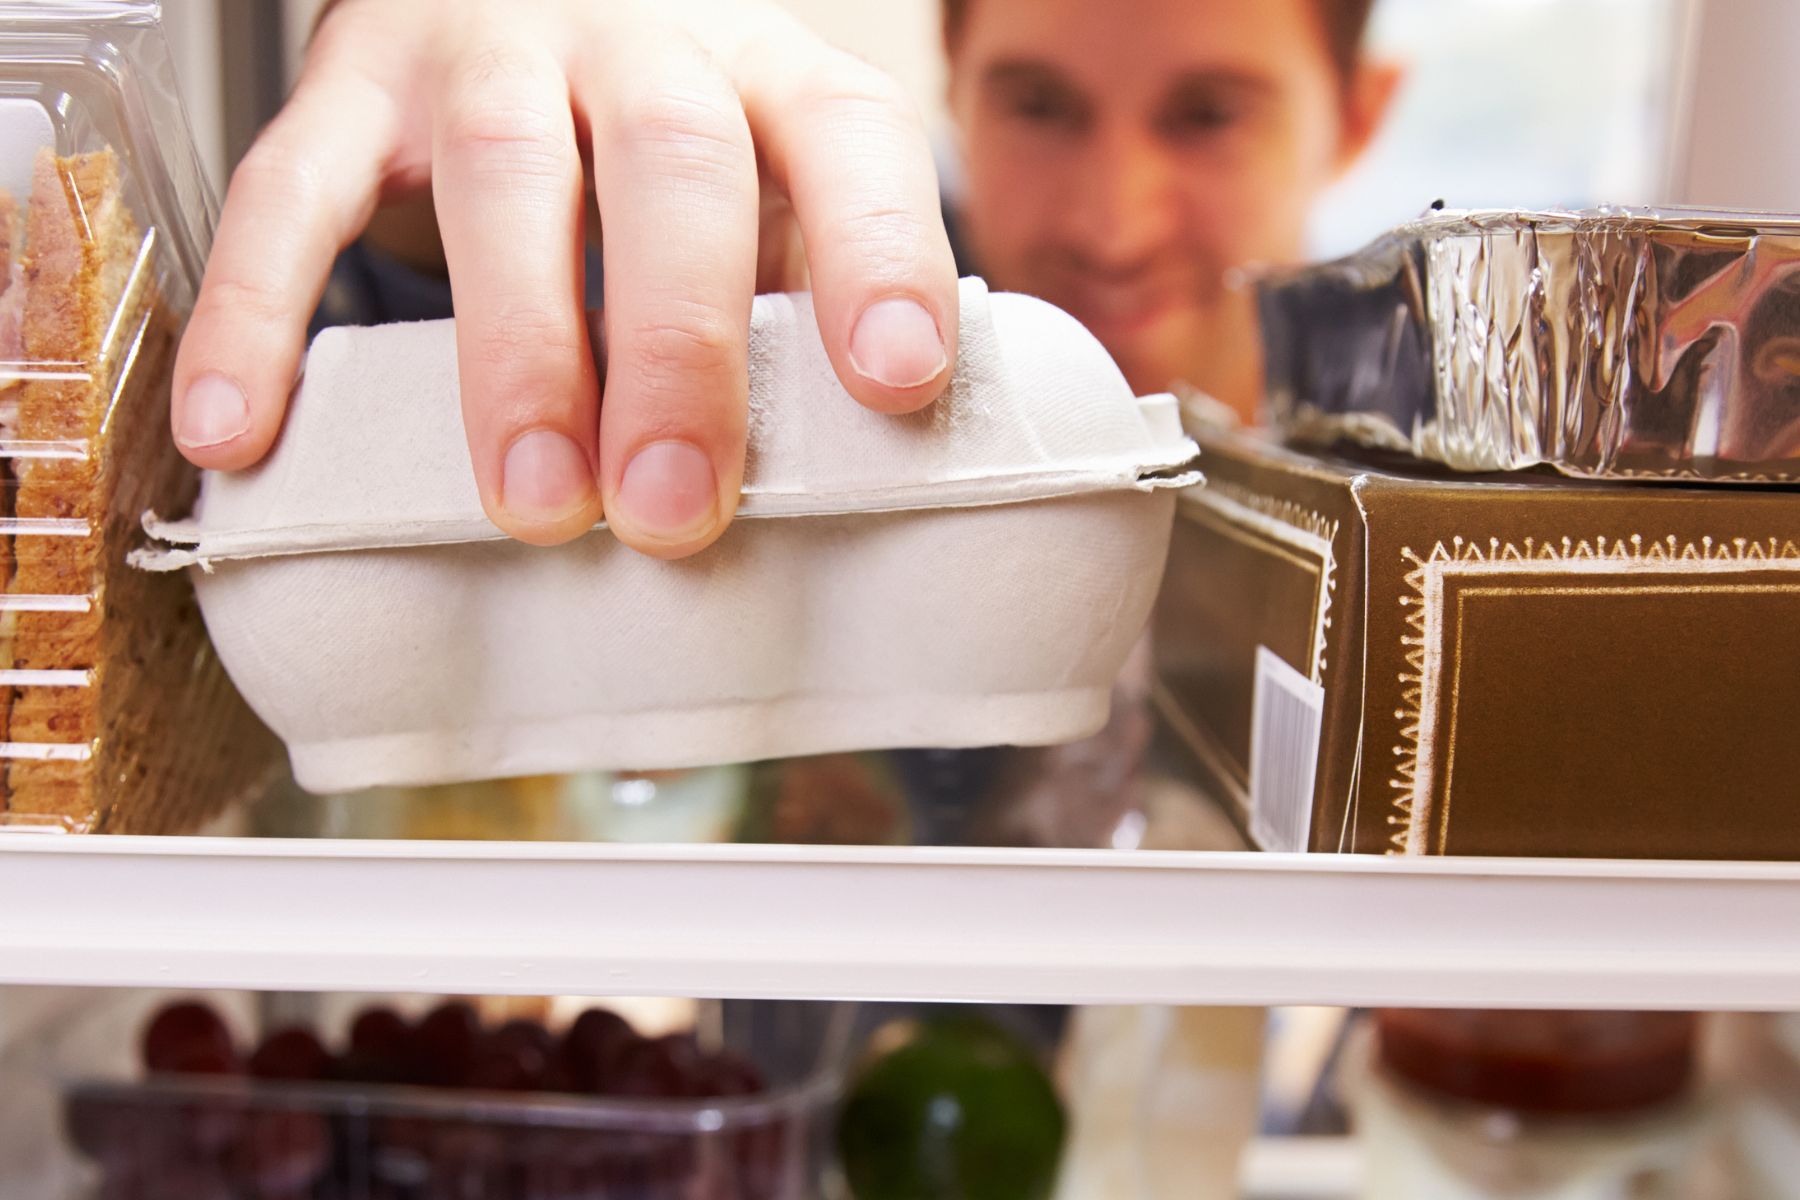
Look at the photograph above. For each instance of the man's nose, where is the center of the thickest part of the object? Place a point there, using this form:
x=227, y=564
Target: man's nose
x=1124, y=209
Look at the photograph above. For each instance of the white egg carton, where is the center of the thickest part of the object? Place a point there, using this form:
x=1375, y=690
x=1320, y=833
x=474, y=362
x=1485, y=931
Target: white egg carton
x=973, y=574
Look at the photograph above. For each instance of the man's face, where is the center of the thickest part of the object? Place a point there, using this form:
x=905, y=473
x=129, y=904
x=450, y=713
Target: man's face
x=1123, y=156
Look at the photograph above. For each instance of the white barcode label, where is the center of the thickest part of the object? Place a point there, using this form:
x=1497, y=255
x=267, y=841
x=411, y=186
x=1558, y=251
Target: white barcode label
x=1287, y=710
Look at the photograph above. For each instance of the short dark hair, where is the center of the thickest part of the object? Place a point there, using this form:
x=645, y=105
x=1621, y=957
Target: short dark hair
x=1345, y=22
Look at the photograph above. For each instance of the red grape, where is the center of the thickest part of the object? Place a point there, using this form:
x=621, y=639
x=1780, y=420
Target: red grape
x=729, y=1073
x=291, y=1053
x=188, y=1036
x=525, y=1030
x=665, y=1067
x=380, y=1049
x=513, y=1058
x=555, y=1078
x=592, y=1046
x=443, y=1044
x=381, y=1033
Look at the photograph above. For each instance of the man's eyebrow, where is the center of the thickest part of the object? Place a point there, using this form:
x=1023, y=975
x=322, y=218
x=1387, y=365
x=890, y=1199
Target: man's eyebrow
x=1195, y=82
x=1025, y=72
x=1210, y=81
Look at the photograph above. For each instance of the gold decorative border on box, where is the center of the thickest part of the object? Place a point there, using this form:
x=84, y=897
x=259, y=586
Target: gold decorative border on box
x=1272, y=526
x=1414, y=755
x=1295, y=528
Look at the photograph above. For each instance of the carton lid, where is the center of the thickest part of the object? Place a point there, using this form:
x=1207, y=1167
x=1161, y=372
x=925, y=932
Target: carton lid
x=374, y=454
x=95, y=77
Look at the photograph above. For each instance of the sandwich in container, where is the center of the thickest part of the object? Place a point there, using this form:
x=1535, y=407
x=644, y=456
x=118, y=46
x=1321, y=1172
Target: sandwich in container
x=117, y=716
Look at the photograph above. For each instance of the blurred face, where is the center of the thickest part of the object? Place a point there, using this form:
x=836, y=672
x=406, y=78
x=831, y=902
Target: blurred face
x=1123, y=157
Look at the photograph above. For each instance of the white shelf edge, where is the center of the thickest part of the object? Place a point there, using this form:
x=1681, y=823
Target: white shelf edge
x=886, y=923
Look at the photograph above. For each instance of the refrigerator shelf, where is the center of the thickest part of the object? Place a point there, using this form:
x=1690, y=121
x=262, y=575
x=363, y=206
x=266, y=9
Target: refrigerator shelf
x=887, y=923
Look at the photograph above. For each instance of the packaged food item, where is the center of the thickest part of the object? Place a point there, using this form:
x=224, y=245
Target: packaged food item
x=970, y=575
x=1616, y=343
x=1412, y=661
x=117, y=716
x=1470, y=1105
x=446, y=1103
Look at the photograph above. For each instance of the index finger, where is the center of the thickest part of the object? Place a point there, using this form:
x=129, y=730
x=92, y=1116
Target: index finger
x=301, y=193
x=849, y=147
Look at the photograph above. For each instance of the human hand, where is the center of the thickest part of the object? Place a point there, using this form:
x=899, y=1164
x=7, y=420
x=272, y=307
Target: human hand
x=495, y=106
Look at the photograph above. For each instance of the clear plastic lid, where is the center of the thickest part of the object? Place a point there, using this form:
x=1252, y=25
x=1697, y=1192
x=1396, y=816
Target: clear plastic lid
x=105, y=217
x=106, y=685
x=83, y=77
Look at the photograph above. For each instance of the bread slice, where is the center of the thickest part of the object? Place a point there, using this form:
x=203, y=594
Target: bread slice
x=120, y=717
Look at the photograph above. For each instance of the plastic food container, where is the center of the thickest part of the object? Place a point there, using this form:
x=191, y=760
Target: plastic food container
x=974, y=574
x=123, y=1133
x=116, y=715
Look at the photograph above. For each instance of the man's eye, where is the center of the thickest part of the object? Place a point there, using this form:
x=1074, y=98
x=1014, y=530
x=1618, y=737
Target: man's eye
x=1047, y=109
x=1201, y=119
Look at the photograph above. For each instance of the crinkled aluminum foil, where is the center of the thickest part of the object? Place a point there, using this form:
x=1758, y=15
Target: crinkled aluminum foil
x=1619, y=343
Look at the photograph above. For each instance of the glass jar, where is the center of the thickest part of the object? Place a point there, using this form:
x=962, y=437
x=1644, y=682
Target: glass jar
x=1461, y=1105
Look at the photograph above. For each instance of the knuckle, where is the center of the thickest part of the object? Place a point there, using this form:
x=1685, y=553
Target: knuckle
x=278, y=176
x=843, y=85
x=885, y=234
x=496, y=111
x=684, y=123
x=241, y=297
x=493, y=65
x=514, y=139
x=523, y=341
x=667, y=353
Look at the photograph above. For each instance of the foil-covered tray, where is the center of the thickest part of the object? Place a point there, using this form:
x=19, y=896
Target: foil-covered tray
x=1616, y=343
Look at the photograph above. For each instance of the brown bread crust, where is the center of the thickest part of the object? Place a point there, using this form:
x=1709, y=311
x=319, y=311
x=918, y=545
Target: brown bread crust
x=171, y=741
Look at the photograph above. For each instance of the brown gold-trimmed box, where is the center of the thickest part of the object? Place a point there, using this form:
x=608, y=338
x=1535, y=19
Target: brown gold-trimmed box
x=1511, y=664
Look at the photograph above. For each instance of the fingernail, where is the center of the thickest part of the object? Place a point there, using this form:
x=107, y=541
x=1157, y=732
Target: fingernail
x=669, y=492
x=897, y=344
x=213, y=411
x=545, y=477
